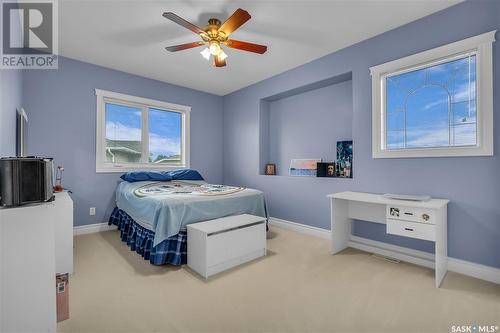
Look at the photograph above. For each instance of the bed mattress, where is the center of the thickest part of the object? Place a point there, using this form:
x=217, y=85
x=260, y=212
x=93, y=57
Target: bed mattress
x=167, y=213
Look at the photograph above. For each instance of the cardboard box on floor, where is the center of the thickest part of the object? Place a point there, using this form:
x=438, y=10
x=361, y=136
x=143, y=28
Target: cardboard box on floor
x=62, y=296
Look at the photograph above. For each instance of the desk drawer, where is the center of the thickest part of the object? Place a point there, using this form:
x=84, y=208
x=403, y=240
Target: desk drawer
x=411, y=229
x=412, y=214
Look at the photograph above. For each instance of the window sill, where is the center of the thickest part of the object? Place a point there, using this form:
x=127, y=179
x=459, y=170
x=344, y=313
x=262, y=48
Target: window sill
x=434, y=152
x=129, y=168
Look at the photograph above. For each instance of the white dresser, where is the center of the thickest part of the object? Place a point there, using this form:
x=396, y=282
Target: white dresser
x=426, y=220
x=64, y=233
x=36, y=242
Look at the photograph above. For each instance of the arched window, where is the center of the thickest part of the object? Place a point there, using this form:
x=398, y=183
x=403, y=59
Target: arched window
x=426, y=104
x=428, y=117
x=430, y=107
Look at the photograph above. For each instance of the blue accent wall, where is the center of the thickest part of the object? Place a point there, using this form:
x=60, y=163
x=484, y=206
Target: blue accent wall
x=10, y=100
x=61, y=105
x=471, y=183
x=295, y=121
x=11, y=93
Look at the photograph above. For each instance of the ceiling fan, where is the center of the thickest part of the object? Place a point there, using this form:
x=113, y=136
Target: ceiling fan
x=214, y=35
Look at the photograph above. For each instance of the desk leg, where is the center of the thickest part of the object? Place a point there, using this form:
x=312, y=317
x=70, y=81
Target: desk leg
x=441, y=246
x=341, y=224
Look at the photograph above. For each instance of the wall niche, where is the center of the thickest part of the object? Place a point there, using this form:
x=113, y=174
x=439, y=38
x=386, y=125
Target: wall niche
x=305, y=122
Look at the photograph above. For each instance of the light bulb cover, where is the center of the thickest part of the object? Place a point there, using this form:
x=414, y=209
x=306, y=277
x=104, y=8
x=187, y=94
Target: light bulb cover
x=222, y=54
x=214, y=48
x=206, y=53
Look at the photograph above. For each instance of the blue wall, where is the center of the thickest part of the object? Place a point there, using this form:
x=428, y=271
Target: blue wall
x=11, y=93
x=295, y=121
x=471, y=183
x=10, y=100
x=61, y=105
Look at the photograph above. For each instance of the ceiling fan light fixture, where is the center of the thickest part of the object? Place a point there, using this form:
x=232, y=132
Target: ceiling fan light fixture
x=214, y=48
x=222, y=54
x=206, y=53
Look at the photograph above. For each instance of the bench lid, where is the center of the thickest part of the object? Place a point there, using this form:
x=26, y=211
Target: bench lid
x=225, y=223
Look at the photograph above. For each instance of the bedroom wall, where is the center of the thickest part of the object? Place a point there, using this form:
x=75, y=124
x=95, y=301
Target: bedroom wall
x=471, y=183
x=297, y=120
x=10, y=100
x=61, y=105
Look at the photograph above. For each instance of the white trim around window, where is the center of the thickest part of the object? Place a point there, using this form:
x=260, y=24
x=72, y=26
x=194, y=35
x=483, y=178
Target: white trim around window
x=104, y=96
x=481, y=47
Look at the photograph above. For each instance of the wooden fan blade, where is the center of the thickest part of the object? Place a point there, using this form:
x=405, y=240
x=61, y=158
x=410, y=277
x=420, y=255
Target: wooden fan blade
x=219, y=62
x=235, y=21
x=245, y=46
x=179, y=20
x=183, y=46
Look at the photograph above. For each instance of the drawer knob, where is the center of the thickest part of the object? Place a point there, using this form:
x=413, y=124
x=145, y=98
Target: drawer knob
x=409, y=229
x=426, y=217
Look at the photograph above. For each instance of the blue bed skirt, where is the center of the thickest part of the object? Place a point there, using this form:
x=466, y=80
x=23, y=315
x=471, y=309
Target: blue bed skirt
x=172, y=250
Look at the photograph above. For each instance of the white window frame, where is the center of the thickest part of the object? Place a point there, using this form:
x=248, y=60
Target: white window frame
x=481, y=46
x=104, y=96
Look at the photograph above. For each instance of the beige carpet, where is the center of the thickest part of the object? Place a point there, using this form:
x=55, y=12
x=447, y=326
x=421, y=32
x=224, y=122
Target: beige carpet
x=298, y=287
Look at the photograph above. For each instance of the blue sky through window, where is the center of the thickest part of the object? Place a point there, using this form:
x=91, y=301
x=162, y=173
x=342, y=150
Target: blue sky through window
x=164, y=133
x=124, y=124
x=433, y=106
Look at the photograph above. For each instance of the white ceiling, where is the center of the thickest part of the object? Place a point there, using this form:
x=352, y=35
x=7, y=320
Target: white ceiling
x=131, y=35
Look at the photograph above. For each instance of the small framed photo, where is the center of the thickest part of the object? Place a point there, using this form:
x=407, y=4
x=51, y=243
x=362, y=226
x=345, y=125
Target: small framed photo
x=304, y=167
x=330, y=170
x=326, y=169
x=271, y=169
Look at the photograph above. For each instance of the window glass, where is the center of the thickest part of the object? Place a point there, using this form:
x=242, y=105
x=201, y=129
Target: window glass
x=433, y=106
x=123, y=133
x=165, y=136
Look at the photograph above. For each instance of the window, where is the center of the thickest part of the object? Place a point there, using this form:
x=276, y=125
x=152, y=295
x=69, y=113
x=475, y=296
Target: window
x=435, y=103
x=135, y=133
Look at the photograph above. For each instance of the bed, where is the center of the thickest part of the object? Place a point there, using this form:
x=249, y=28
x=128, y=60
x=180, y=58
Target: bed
x=152, y=215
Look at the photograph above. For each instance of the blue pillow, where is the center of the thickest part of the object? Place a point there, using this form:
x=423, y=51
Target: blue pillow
x=185, y=174
x=139, y=176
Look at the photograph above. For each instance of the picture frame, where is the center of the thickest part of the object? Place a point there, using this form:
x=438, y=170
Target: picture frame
x=326, y=170
x=330, y=170
x=344, y=159
x=304, y=167
x=270, y=169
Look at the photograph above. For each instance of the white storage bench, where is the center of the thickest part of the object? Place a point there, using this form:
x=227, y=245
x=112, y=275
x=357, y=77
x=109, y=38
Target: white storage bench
x=217, y=245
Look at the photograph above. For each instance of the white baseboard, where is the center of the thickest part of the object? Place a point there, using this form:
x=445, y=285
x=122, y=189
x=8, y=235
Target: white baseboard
x=301, y=228
x=479, y=271
x=92, y=228
x=416, y=257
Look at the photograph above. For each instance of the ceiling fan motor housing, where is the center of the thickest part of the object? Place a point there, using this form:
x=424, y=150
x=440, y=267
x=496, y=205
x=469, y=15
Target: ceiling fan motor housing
x=214, y=21
x=213, y=32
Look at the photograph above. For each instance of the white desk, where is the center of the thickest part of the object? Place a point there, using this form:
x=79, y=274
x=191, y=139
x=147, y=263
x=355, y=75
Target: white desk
x=422, y=220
